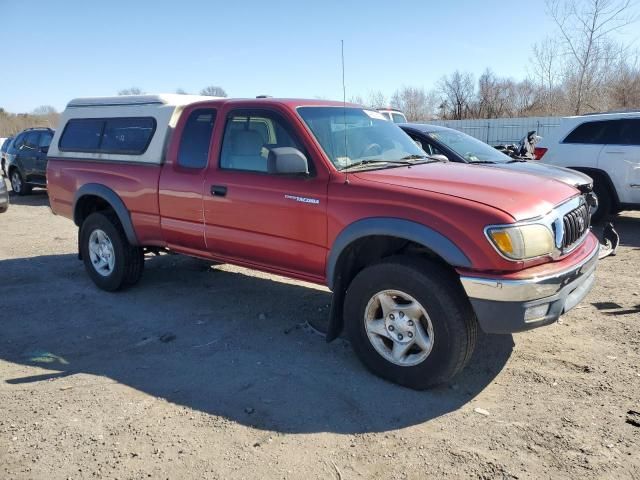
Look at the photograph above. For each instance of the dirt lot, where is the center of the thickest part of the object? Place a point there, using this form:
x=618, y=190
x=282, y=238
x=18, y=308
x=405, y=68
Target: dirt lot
x=204, y=372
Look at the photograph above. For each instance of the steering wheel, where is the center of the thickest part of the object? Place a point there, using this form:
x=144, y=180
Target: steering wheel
x=369, y=150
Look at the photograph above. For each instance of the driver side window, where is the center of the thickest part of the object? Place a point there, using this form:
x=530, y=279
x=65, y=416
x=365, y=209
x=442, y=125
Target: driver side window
x=248, y=137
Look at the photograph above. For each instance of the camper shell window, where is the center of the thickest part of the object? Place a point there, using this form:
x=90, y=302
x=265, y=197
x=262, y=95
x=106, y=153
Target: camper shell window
x=116, y=135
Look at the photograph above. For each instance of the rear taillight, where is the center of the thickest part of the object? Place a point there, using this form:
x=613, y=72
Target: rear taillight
x=539, y=152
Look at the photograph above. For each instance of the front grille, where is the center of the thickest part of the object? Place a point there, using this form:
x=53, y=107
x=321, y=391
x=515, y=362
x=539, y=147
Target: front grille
x=576, y=223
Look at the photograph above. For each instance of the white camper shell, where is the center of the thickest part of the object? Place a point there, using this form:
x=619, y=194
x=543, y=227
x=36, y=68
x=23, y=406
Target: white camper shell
x=150, y=118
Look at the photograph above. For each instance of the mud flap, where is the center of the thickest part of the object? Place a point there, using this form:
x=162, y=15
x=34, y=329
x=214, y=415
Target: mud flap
x=336, y=322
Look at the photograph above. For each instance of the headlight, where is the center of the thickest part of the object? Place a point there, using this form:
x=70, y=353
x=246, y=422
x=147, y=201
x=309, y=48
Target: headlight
x=522, y=242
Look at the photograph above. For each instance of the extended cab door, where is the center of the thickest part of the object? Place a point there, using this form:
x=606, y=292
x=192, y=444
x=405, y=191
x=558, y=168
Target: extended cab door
x=181, y=187
x=265, y=219
x=620, y=158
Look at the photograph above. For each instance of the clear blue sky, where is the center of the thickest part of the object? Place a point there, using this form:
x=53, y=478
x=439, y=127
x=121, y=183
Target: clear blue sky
x=53, y=51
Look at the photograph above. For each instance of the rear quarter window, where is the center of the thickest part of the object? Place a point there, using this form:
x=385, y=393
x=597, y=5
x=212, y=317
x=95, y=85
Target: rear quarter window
x=595, y=133
x=118, y=135
x=196, y=138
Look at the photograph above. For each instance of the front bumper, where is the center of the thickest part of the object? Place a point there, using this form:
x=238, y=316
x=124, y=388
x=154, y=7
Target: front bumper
x=508, y=306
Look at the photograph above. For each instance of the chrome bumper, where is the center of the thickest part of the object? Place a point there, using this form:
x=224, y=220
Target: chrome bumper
x=530, y=288
x=505, y=306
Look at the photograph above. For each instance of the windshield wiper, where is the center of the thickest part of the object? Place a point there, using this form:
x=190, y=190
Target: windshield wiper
x=424, y=158
x=481, y=161
x=517, y=160
x=403, y=161
x=365, y=162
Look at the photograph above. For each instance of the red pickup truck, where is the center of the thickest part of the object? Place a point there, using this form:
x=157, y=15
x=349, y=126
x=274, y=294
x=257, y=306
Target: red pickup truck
x=418, y=253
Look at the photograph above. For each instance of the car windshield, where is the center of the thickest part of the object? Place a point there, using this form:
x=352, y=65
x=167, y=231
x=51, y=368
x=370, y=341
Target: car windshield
x=351, y=136
x=471, y=149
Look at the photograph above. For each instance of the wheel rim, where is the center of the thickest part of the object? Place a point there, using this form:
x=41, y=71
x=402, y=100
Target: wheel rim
x=16, y=182
x=101, y=253
x=399, y=328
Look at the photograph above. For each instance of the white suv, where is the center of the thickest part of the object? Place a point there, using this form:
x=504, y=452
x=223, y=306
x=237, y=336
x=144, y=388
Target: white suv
x=607, y=148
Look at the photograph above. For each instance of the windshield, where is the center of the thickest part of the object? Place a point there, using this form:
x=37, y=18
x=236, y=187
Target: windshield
x=471, y=149
x=353, y=135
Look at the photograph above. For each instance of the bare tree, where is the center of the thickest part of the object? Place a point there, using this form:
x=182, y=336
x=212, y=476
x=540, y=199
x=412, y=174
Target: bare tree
x=414, y=102
x=213, y=91
x=43, y=110
x=356, y=99
x=457, y=92
x=377, y=99
x=586, y=28
x=46, y=115
x=623, y=91
x=131, y=91
x=13, y=123
x=495, y=96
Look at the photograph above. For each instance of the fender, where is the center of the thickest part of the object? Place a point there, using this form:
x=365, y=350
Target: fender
x=388, y=226
x=112, y=199
x=394, y=227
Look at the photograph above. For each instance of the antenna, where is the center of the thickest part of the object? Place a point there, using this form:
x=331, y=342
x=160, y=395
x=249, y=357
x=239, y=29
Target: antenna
x=344, y=111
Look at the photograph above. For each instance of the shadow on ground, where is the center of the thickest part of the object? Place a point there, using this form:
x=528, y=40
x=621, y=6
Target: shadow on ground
x=223, y=342
x=37, y=198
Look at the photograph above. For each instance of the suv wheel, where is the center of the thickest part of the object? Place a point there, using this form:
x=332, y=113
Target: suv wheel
x=605, y=201
x=110, y=260
x=18, y=185
x=410, y=322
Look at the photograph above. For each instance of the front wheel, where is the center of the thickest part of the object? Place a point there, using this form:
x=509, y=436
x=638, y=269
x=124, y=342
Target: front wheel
x=410, y=322
x=110, y=260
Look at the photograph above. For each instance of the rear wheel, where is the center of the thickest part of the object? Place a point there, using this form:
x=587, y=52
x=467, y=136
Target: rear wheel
x=18, y=184
x=410, y=322
x=110, y=260
x=605, y=199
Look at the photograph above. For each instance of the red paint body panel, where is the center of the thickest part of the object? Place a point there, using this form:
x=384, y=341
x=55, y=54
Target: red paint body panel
x=135, y=184
x=256, y=225
x=521, y=195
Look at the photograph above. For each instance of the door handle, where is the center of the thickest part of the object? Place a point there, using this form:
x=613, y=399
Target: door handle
x=218, y=190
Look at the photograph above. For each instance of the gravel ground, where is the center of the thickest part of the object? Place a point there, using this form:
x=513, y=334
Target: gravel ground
x=202, y=372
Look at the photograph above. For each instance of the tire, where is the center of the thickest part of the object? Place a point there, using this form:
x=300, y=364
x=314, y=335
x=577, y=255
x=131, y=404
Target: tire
x=449, y=323
x=605, y=200
x=18, y=184
x=110, y=260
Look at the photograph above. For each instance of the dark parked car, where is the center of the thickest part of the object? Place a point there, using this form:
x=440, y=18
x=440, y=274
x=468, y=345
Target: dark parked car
x=27, y=159
x=4, y=196
x=3, y=152
x=460, y=147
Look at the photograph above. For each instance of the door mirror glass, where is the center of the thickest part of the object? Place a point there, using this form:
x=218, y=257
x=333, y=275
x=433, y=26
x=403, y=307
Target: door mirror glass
x=287, y=161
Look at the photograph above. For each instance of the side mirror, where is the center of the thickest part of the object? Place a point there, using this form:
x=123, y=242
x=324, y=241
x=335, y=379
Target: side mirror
x=439, y=157
x=287, y=161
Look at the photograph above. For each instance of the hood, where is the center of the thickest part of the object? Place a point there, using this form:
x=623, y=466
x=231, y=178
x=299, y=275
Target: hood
x=521, y=195
x=566, y=175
